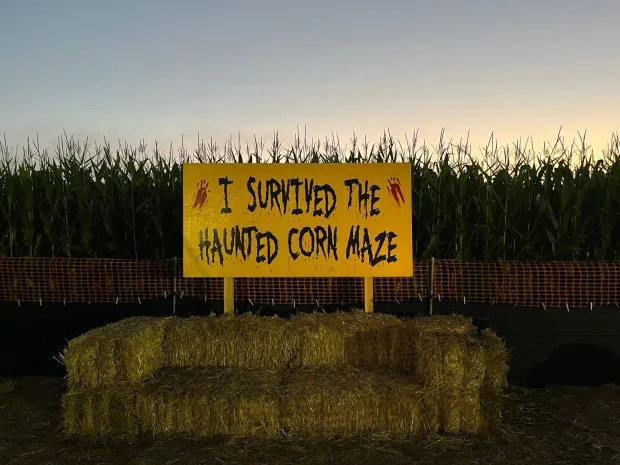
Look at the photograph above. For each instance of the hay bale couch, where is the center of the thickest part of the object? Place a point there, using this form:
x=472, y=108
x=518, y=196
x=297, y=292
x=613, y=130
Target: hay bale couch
x=313, y=375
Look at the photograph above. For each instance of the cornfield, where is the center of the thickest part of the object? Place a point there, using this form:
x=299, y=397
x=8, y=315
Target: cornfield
x=507, y=203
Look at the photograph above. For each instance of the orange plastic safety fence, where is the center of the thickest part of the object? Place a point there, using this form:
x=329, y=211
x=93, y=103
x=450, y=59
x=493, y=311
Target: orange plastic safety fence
x=395, y=290
x=553, y=284
x=82, y=280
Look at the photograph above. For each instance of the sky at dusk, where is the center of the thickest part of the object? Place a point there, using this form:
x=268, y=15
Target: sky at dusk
x=153, y=69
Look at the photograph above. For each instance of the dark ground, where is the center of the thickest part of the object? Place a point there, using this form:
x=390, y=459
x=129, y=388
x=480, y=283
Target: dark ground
x=560, y=425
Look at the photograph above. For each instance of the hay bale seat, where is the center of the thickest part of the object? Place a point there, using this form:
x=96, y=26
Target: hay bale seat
x=315, y=375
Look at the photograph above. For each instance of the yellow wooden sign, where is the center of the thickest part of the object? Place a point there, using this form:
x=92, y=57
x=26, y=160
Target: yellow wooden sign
x=297, y=220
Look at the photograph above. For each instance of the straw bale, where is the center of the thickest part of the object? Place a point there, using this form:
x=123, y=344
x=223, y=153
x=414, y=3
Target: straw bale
x=129, y=350
x=445, y=324
x=460, y=412
x=456, y=358
x=246, y=340
x=495, y=379
x=496, y=360
x=203, y=402
x=479, y=390
x=353, y=338
x=336, y=401
x=431, y=349
x=100, y=413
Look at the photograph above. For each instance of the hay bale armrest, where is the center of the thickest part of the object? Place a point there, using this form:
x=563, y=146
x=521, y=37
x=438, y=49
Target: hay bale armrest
x=127, y=351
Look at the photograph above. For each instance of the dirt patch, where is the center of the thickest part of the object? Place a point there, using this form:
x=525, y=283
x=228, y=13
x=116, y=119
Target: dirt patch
x=552, y=426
